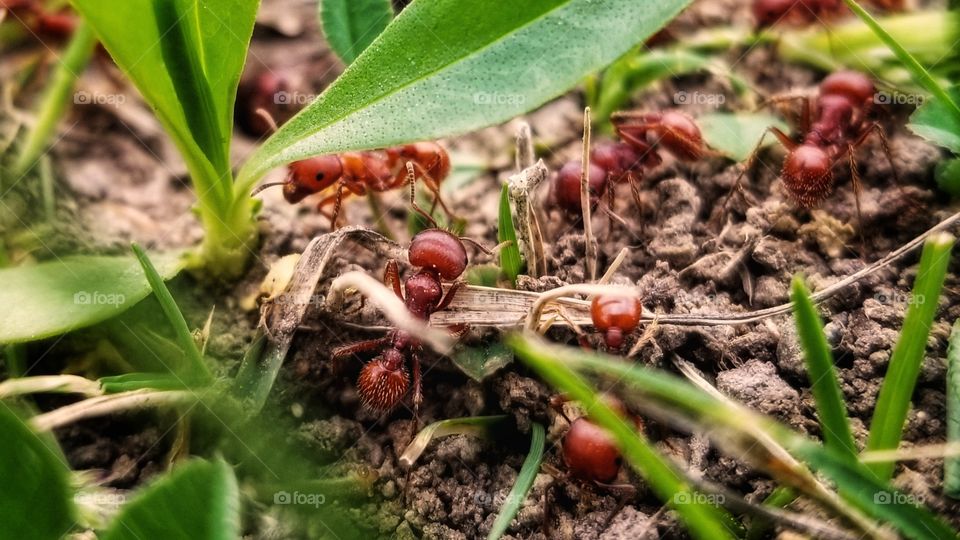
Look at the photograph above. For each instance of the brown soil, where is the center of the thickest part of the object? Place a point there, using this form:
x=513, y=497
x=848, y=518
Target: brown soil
x=126, y=183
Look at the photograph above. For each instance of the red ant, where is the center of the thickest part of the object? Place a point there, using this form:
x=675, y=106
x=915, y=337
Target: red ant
x=805, y=12
x=360, y=172
x=440, y=255
x=591, y=454
x=834, y=124
x=32, y=15
x=643, y=134
x=615, y=317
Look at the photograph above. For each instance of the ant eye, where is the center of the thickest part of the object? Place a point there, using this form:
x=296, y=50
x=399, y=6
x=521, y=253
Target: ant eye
x=319, y=176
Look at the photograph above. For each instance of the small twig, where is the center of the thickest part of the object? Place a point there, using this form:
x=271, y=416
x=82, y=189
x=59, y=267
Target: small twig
x=43, y=384
x=101, y=405
x=590, y=246
x=392, y=307
x=614, y=266
x=536, y=310
x=930, y=451
x=521, y=188
x=525, y=153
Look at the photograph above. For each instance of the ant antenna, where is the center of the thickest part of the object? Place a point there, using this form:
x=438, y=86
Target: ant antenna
x=265, y=186
x=483, y=248
x=412, y=181
x=268, y=118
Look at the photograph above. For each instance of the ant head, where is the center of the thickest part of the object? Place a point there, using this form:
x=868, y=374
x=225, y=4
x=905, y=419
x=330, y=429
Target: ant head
x=615, y=317
x=311, y=175
x=852, y=85
x=807, y=174
x=440, y=251
x=383, y=381
x=680, y=135
x=423, y=292
x=590, y=452
x=566, y=185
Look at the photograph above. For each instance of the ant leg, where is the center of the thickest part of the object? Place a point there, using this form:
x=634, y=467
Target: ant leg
x=737, y=186
x=447, y=298
x=391, y=277
x=857, y=190
x=636, y=142
x=337, y=200
x=358, y=347
x=625, y=492
x=412, y=182
x=434, y=186
x=417, y=388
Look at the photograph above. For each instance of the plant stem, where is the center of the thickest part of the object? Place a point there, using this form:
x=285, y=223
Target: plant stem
x=101, y=405
x=54, y=100
x=61, y=384
x=528, y=473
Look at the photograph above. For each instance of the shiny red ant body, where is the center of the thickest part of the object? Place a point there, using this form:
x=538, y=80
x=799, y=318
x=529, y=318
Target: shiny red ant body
x=590, y=452
x=805, y=12
x=357, y=173
x=384, y=380
x=615, y=317
x=834, y=124
x=642, y=136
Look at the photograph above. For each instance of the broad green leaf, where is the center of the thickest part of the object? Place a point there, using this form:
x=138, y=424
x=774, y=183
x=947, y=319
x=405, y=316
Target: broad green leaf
x=197, y=501
x=351, y=25
x=35, y=498
x=737, y=134
x=510, y=261
x=185, y=57
x=933, y=122
x=947, y=174
x=54, y=298
x=445, y=67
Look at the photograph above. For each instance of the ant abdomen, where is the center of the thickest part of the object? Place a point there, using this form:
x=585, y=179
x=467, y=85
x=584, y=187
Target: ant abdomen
x=566, y=186
x=383, y=381
x=440, y=251
x=807, y=174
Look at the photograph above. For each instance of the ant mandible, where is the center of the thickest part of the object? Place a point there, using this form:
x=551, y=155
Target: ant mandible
x=642, y=135
x=441, y=256
x=358, y=173
x=834, y=124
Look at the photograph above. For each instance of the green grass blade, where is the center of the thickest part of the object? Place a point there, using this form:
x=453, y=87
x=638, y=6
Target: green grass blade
x=920, y=74
x=875, y=497
x=510, y=261
x=195, y=369
x=780, y=497
x=951, y=465
x=476, y=426
x=528, y=473
x=56, y=97
x=703, y=520
x=893, y=402
x=865, y=499
x=825, y=384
